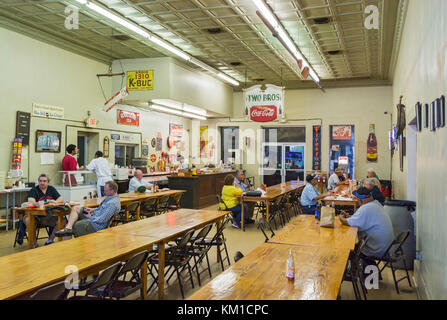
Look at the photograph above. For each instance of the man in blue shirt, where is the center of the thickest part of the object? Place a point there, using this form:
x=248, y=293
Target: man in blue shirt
x=83, y=221
x=248, y=206
x=310, y=196
x=371, y=220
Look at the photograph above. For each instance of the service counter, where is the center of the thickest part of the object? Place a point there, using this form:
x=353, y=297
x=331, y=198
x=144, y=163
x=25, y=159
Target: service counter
x=200, y=189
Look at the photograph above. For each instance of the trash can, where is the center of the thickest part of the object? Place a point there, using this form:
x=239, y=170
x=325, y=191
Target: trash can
x=402, y=215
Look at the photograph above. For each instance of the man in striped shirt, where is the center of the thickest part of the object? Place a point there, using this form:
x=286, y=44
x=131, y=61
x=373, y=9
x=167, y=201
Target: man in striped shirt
x=83, y=221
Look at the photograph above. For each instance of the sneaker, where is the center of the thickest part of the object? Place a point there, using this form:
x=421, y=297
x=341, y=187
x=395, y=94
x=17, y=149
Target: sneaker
x=236, y=225
x=49, y=242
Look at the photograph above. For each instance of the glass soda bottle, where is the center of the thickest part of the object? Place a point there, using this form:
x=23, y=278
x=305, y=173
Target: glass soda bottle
x=290, y=267
x=372, y=145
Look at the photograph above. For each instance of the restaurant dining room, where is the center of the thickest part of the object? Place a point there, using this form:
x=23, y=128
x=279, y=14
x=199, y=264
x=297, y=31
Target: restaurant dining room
x=223, y=153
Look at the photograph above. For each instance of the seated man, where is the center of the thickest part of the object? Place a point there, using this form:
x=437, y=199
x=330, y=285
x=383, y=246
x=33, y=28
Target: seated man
x=248, y=206
x=310, y=196
x=83, y=221
x=49, y=195
x=371, y=220
x=370, y=184
x=137, y=181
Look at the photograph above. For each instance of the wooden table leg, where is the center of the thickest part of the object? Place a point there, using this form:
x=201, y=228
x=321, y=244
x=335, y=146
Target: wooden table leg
x=60, y=224
x=242, y=214
x=267, y=205
x=31, y=231
x=144, y=279
x=127, y=215
x=138, y=211
x=161, y=270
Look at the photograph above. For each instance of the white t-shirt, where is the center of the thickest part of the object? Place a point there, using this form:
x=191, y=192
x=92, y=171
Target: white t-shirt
x=135, y=183
x=101, y=167
x=332, y=182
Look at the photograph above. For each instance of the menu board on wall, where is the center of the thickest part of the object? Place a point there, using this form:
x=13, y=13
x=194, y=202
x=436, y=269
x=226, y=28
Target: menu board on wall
x=23, y=126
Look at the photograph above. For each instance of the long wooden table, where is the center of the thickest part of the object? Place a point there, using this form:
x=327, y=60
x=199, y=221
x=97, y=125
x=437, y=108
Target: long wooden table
x=125, y=198
x=272, y=193
x=25, y=272
x=260, y=275
x=168, y=227
x=304, y=231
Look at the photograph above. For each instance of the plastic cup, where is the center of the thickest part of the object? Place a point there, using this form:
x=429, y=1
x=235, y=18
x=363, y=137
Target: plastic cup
x=41, y=203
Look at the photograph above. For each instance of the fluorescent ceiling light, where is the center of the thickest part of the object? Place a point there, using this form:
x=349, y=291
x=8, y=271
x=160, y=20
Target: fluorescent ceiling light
x=180, y=106
x=180, y=113
x=170, y=48
x=289, y=44
x=227, y=79
x=82, y=1
x=193, y=109
x=169, y=103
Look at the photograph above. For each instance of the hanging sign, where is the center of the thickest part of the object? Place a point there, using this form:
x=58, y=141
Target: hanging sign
x=141, y=80
x=128, y=118
x=343, y=161
x=341, y=133
x=113, y=101
x=264, y=105
x=316, y=153
x=175, y=130
x=153, y=157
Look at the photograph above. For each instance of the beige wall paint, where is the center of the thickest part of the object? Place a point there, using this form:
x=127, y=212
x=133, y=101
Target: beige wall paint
x=421, y=75
x=35, y=72
x=350, y=106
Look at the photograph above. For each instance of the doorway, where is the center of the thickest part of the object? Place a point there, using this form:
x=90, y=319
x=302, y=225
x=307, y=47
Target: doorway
x=282, y=162
x=342, y=148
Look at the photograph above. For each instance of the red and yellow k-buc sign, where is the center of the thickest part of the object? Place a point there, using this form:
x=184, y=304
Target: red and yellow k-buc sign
x=140, y=80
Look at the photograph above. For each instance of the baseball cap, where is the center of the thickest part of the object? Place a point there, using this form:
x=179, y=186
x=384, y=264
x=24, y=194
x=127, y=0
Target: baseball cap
x=362, y=193
x=310, y=177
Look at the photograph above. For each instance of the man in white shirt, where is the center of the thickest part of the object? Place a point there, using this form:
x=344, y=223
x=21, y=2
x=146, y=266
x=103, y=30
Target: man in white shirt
x=137, y=181
x=101, y=167
x=334, y=180
x=183, y=165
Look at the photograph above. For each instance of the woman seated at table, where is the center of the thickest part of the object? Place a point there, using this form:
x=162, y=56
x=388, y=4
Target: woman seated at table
x=310, y=196
x=372, y=175
x=230, y=196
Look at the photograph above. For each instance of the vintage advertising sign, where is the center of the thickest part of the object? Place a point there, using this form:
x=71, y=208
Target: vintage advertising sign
x=175, y=130
x=316, y=153
x=128, y=118
x=203, y=141
x=42, y=110
x=263, y=114
x=140, y=80
x=341, y=133
x=264, y=104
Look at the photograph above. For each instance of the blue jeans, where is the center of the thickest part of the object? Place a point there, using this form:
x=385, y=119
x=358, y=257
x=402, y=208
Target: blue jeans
x=237, y=210
x=309, y=210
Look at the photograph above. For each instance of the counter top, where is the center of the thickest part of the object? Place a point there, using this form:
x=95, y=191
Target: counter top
x=202, y=174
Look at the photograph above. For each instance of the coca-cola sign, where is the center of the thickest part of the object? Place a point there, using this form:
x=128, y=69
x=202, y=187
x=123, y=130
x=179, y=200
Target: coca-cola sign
x=263, y=113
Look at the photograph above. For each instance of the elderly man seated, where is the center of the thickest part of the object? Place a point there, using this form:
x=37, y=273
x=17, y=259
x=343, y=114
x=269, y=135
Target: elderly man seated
x=83, y=221
x=371, y=220
x=138, y=181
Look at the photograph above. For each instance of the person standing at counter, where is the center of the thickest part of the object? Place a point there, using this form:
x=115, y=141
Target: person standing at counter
x=137, y=181
x=101, y=167
x=69, y=162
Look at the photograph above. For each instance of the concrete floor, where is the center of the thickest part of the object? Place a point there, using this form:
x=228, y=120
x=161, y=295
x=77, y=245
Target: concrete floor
x=243, y=242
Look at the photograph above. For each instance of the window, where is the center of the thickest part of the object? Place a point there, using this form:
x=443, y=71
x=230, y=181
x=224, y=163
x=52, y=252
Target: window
x=341, y=145
x=230, y=143
x=285, y=134
x=124, y=154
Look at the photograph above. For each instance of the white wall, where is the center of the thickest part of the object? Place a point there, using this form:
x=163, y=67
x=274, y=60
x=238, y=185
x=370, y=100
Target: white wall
x=350, y=106
x=35, y=72
x=421, y=75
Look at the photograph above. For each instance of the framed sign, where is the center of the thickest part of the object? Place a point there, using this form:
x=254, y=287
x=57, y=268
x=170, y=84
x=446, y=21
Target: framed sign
x=128, y=118
x=418, y=111
x=106, y=146
x=175, y=130
x=140, y=80
x=23, y=126
x=264, y=103
x=48, y=141
x=341, y=133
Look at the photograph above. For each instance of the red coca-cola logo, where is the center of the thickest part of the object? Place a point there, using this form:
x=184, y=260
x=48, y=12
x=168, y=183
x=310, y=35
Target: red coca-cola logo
x=263, y=113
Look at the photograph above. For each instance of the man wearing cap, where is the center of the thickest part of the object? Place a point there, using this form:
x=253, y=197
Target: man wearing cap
x=336, y=179
x=371, y=220
x=310, y=196
x=370, y=184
